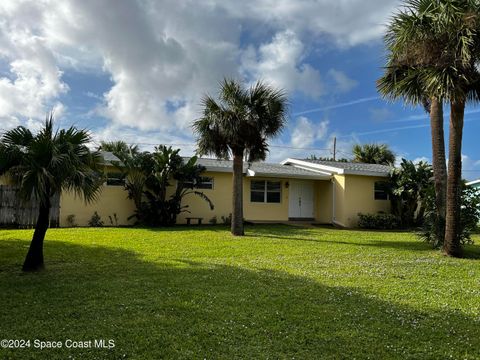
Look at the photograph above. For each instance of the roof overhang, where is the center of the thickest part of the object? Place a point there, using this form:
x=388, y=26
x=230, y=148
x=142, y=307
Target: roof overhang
x=219, y=169
x=313, y=176
x=474, y=182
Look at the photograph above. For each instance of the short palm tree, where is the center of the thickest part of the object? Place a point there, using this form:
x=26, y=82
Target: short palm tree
x=433, y=54
x=44, y=164
x=373, y=154
x=130, y=165
x=239, y=125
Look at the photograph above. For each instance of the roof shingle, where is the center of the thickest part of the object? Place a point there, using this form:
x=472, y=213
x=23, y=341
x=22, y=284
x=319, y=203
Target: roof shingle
x=353, y=166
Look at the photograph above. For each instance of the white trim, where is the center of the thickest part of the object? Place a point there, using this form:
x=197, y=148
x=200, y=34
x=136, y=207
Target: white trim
x=266, y=191
x=473, y=182
x=334, y=188
x=288, y=176
x=339, y=224
x=366, y=173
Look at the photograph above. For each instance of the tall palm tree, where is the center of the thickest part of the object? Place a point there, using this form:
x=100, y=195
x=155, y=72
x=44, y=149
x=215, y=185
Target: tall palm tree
x=239, y=125
x=43, y=165
x=408, y=37
x=408, y=32
x=373, y=154
x=433, y=47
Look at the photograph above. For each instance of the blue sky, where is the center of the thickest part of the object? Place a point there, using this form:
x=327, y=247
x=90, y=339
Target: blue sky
x=136, y=70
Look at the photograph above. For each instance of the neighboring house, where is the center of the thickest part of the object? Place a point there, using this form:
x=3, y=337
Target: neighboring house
x=475, y=184
x=311, y=190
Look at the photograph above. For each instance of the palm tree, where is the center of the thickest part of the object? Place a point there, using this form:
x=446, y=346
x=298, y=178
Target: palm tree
x=433, y=47
x=131, y=161
x=44, y=164
x=119, y=148
x=407, y=32
x=373, y=154
x=239, y=125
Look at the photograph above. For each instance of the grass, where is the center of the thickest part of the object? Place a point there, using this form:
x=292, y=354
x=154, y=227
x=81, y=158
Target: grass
x=278, y=293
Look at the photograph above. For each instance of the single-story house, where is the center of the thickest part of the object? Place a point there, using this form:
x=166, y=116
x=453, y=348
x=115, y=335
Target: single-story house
x=312, y=190
x=326, y=192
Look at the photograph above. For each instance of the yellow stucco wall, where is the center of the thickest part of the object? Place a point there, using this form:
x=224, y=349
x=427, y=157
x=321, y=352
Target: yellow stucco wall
x=265, y=211
x=112, y=200
x=323, y=201
x=353, y=194
x=221, y=196
x=340, y=201
x=359, y=197
x=5, y=180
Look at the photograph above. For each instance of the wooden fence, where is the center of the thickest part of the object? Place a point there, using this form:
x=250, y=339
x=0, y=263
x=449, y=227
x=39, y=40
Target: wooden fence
x=17, y=213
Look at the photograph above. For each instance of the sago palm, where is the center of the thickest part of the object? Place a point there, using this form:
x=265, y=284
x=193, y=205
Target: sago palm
x=45, y=164
x=239, y=124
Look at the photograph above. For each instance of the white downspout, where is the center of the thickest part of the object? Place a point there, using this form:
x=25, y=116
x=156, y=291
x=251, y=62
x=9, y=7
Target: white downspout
x=333, y=201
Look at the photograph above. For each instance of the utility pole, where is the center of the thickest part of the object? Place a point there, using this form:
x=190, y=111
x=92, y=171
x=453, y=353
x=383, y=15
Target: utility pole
x=335, y=148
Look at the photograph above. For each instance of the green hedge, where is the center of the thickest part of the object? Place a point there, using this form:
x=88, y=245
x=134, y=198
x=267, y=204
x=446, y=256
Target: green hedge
x=380, y=221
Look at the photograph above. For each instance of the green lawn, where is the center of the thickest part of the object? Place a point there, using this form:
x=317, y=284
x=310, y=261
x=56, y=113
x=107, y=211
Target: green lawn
x=279, y=292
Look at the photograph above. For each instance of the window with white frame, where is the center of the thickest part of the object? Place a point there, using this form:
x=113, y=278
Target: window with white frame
x=264, y=191
x=381, y=192
x=204, y=183
x=115, y=179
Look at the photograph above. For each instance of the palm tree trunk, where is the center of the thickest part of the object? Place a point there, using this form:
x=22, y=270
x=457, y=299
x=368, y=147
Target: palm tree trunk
x=237, y=198
x=439, y=166
x=452, y=245
x=34, y=258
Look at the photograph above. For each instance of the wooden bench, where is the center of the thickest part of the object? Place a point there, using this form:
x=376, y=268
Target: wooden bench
x=199, y=220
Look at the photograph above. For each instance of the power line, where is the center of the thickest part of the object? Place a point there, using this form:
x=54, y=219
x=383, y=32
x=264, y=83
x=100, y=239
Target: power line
x=193, y=144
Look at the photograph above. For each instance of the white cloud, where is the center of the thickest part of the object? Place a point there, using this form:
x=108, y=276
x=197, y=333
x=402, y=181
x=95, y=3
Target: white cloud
x=169, y=52
x=33, y=79
x=306, y=133
x=417, y=160
x=342, y=83
x=470, y=167
x=279, y=62
x=347, y=22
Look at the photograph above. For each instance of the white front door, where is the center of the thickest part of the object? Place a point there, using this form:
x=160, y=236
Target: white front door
x=301, y=199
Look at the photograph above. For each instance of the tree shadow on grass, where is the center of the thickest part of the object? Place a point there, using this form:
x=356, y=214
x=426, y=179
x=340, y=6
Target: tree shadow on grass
x=185, y=309
x=298, y=234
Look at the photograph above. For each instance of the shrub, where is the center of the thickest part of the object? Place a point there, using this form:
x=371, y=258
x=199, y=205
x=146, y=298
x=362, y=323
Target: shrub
x=469, y=218
x=71, y=221
x=380, y=221
x=227, y=220
x=95, y=220
x=113, y=220
x=213, y=220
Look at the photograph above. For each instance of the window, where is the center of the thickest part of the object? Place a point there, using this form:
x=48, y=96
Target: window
x=115, y=179
x=381, y=190
x=265, y=191
x=205, y=183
